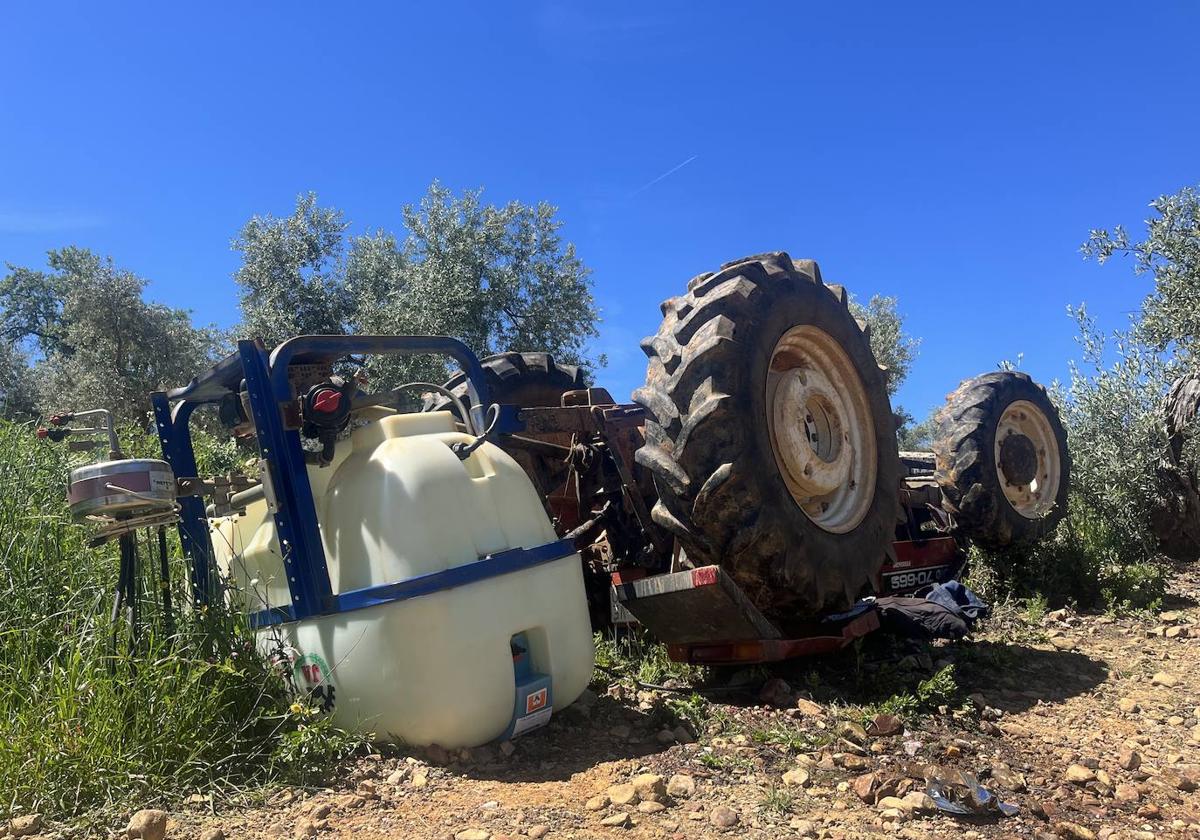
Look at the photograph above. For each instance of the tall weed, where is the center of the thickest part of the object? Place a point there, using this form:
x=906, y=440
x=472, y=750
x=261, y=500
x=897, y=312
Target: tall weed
x=91, y=718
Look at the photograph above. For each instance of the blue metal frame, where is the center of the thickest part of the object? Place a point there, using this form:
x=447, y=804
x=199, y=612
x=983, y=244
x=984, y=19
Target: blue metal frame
x=295, y=515
x=175, y=437
x=493, y=565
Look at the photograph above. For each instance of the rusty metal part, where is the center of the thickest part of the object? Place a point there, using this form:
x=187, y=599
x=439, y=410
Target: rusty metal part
x=544, y=421
x=622, y=460
x=587, y=396
x=920, y=495
x=918, y=463
x=604, y=432
x=602, y=499
x=580, y=419
x=541, y=447
x=586, y=529
x=229, y=493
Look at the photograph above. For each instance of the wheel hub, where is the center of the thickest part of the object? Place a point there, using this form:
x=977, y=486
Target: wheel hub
x=1018, y=459
x=1027, y=459
x=821, y=429
x=808, y=432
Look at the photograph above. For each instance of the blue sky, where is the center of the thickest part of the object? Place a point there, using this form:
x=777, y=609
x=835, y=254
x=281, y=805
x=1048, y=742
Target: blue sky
x=954, y=155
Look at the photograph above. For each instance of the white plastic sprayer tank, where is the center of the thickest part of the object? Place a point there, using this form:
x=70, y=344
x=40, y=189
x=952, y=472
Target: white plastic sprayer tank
x=438, y=668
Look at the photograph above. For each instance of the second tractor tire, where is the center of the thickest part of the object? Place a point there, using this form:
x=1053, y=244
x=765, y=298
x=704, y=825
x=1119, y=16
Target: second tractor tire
x=1002, y=460
x=711, y=441
x=524, y=379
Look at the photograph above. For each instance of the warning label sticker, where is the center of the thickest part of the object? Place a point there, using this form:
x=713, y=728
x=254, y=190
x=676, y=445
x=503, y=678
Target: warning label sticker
x=535, y=700
x=527, y=722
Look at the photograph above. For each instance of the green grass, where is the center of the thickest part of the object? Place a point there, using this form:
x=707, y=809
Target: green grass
x=777, y=801
x=1089, y=562
x=795, y=740
x=939, y=689
x=1036, y=607
x=725, y=761
x=86, y=726
x=634, y=656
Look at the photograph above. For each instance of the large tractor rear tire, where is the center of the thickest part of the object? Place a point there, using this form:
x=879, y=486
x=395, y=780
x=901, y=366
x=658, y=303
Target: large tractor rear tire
x=1001, y=460
x=770, y=436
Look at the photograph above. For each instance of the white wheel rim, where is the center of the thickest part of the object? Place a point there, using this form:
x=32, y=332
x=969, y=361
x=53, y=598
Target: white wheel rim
x=821, y=429
x=1030, y=471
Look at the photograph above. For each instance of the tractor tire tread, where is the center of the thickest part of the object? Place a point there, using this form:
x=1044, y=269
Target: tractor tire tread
x=964, y=460
x=701, y=453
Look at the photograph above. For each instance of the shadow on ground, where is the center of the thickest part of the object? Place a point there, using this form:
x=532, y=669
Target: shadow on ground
x=577, y=739
x=1011, y=676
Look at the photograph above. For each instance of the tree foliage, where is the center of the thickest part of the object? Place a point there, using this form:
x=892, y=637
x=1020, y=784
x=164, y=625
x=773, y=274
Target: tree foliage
x=498, y=278
x=18, y=397
x=1112, y=408
x=896, y=350
x=1113, y=404
x=1170, y=314
x=81, y=333
x=290, y=277
x=893, y=347
x=916, y=437
x=95, y=341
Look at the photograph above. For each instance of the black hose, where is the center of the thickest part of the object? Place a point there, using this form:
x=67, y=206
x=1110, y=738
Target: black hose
x=464, y=450
x=164, y=581
x=126, y=592
x=134, y=595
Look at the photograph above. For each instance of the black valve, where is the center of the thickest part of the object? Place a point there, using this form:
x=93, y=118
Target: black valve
x=55, y=435
x=325, y=412
x=230, y=411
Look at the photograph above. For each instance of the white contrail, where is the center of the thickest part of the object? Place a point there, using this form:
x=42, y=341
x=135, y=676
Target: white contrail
x=666, y=174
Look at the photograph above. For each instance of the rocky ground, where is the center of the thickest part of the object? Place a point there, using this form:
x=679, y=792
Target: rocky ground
x=1089, y=725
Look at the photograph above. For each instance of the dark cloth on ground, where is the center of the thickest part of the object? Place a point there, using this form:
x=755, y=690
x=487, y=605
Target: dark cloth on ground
x=919, y=618
x=954, y=596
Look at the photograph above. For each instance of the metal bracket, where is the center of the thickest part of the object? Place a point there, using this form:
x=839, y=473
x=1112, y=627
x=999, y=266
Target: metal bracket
x=296, y=518
x=175, y=437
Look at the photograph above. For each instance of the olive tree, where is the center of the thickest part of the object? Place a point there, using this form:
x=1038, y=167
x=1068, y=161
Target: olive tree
x=893, y=347
x=1169, y=320
x=496, y=277
x=896, y=350
x=916, y=437
x=94, y=340
x=1112, y=406
x=291, y=273
x=1116, y=414
x=1117, y=404
x=17, y=390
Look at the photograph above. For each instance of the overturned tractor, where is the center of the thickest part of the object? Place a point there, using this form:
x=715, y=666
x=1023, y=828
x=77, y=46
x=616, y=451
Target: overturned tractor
x=435, y=575
x=763, y=442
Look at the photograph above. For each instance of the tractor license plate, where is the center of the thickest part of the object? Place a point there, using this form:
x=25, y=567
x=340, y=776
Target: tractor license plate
x=920, y=564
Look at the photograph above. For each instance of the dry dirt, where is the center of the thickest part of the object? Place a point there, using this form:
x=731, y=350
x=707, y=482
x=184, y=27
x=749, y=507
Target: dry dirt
x=1090, y=725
